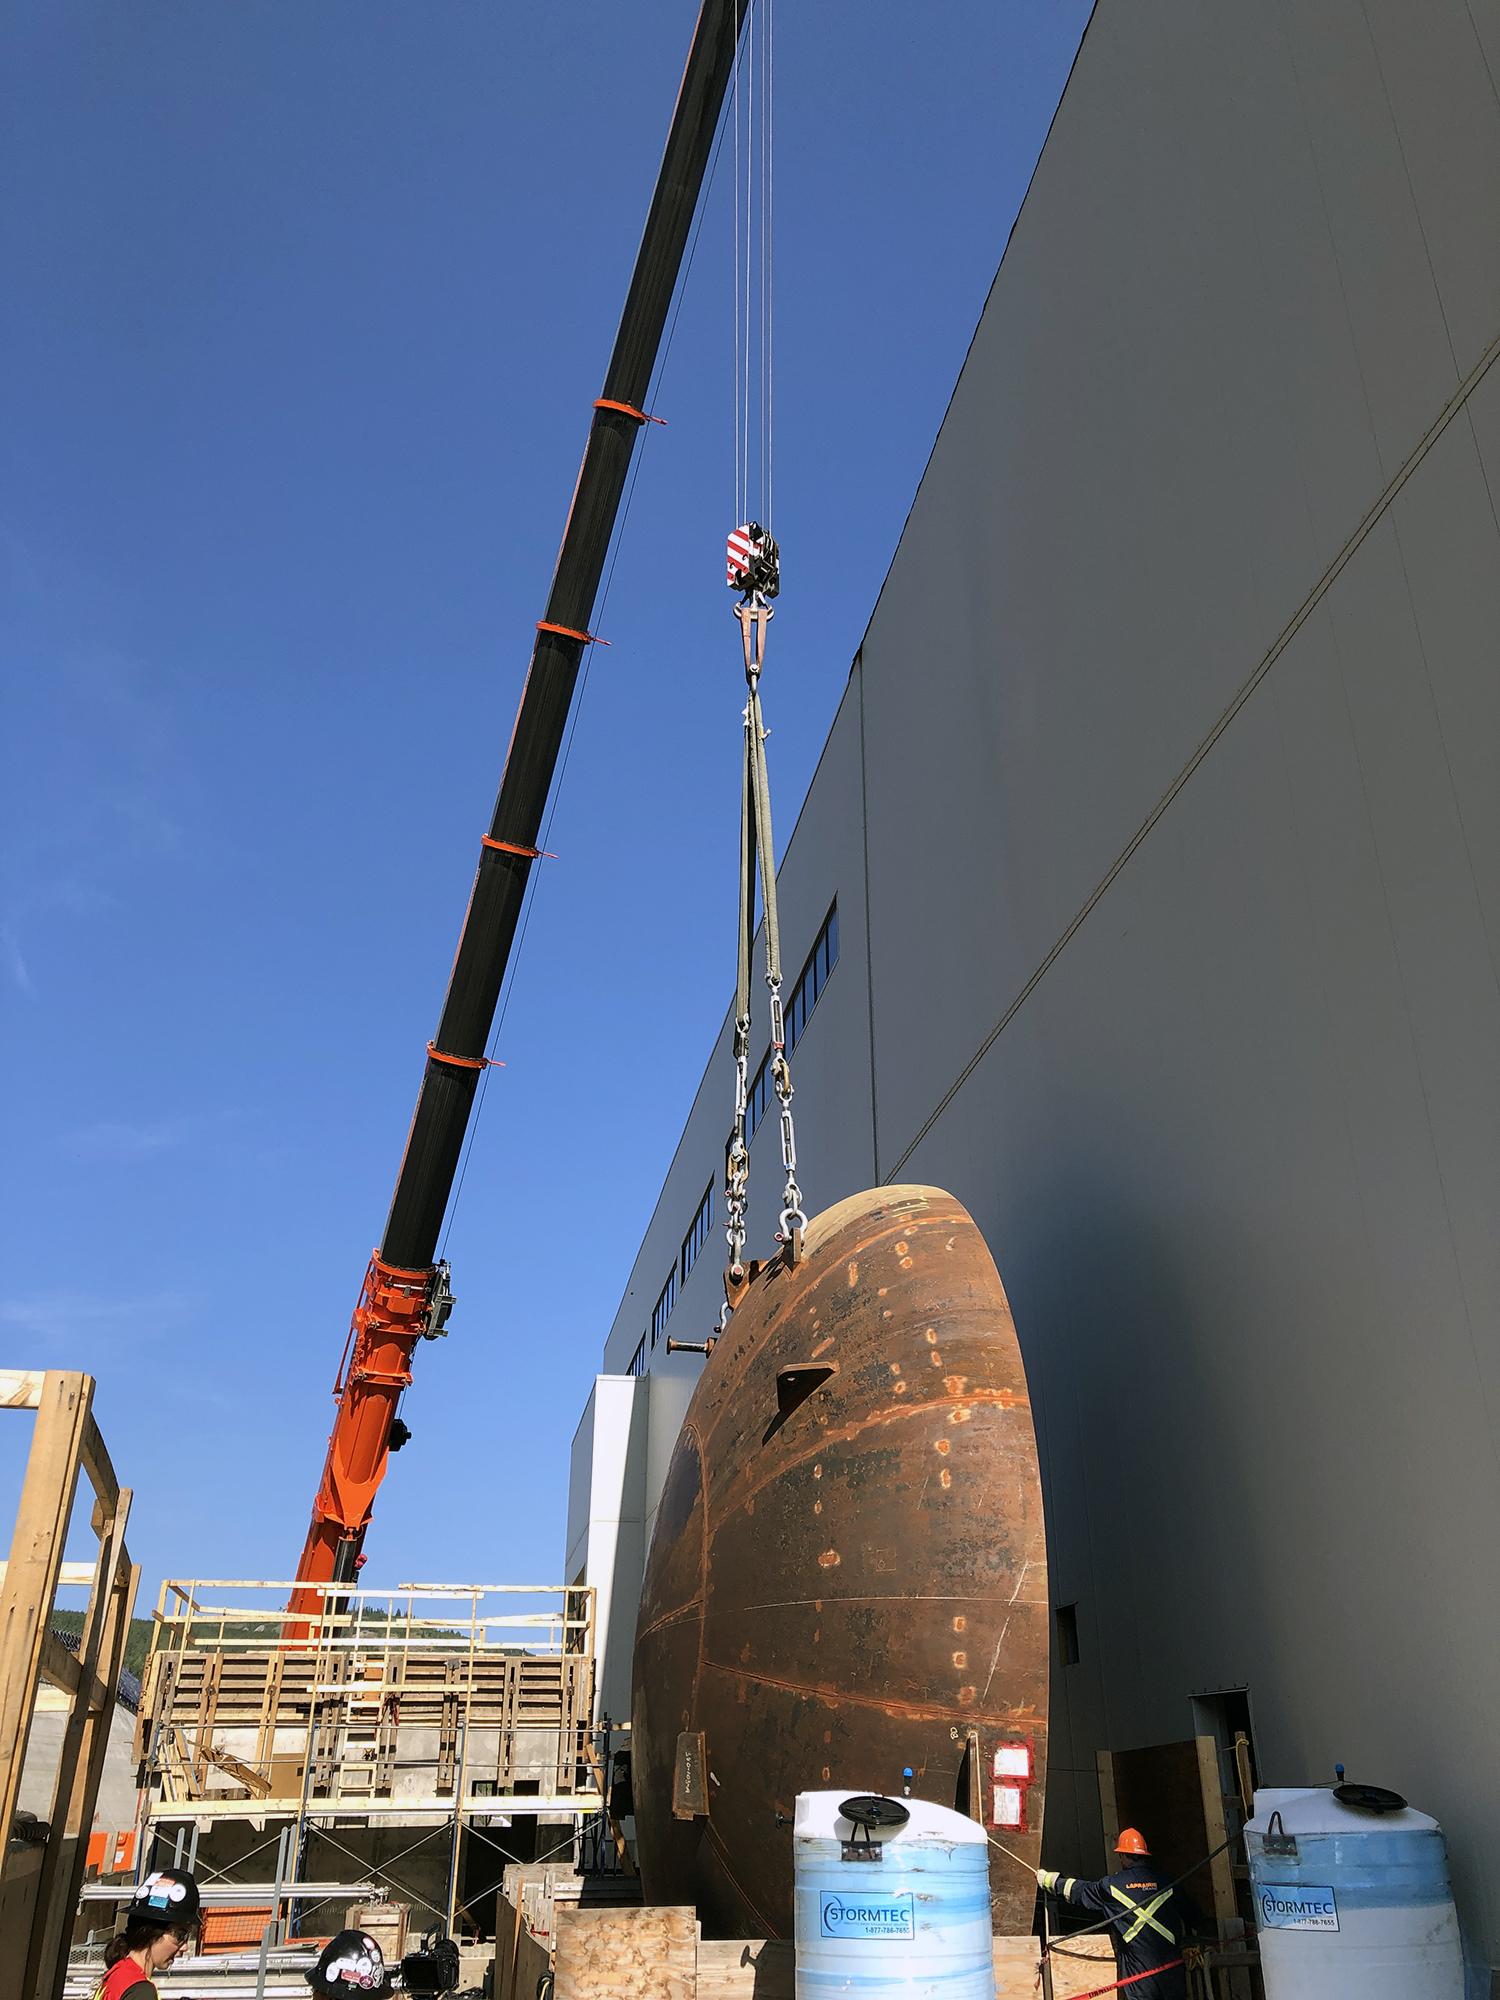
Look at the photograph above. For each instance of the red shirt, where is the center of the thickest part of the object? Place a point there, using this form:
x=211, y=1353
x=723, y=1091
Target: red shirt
x=125, y=1977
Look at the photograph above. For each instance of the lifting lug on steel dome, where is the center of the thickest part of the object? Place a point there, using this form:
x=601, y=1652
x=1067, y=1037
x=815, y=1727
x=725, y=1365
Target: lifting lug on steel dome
x=735, y=1288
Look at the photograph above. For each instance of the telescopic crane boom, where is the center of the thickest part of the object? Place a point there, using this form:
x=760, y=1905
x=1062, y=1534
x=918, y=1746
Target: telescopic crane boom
x=405, y=1296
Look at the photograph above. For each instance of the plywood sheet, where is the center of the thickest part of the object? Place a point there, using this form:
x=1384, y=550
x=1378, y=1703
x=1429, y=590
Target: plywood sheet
x=747, y=1969
x=627, y=1954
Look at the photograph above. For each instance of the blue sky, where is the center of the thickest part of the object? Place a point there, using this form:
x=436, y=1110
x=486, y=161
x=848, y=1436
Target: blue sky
x=305, y=309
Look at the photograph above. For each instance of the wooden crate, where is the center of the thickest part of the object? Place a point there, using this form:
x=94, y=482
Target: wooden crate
x=386, y=1922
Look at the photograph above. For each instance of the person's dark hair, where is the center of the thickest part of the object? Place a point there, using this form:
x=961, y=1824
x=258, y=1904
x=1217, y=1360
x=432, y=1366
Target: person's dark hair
x=137, y=1934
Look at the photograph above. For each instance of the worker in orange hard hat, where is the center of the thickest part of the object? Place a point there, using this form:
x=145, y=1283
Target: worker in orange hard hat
x=1147, y=1923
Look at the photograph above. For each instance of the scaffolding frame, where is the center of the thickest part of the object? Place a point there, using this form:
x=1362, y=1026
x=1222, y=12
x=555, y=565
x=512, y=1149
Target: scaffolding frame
x=416, y=1705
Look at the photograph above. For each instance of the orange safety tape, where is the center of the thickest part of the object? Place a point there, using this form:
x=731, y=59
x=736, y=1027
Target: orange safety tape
x=570, y=632
x=462, y=1062
x=1135, y=1979
x=515, y=847
x=627, y=410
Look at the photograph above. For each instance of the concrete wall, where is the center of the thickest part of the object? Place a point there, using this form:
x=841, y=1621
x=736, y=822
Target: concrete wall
x=1167, y=778
x=115, y=1806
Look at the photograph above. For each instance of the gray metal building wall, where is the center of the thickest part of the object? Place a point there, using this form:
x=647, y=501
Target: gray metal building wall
x=1163, y=815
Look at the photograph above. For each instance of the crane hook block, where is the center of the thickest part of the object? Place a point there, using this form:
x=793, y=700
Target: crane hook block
x=753, y=562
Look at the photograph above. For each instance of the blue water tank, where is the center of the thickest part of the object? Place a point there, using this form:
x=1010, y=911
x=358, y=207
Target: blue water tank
x=1351, y=1904
x=886, y=1910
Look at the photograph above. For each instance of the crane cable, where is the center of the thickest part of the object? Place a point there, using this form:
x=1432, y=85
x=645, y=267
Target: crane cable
x=754, y=569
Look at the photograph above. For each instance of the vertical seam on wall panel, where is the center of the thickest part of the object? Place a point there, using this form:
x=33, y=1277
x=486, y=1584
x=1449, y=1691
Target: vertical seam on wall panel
x=1411, y=190
x=1393, y=940
x=1010, y=237
x=1333, y=247
x=1480, y=48
x=864, y=835
x=1442, y=736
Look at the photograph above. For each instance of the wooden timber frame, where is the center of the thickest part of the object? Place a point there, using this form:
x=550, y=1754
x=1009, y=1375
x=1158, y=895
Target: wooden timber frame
x=64, y=1441
x=430, y=1706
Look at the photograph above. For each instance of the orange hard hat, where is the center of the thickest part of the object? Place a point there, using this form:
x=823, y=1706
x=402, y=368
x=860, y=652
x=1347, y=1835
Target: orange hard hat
x=1130, y=1842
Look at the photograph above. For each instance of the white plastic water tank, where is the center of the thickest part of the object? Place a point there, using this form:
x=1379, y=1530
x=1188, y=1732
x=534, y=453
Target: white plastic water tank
x=1350, y=1904
x=915, y=1921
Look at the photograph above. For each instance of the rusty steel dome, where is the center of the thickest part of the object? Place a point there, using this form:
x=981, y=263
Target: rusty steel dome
x=847, y=1575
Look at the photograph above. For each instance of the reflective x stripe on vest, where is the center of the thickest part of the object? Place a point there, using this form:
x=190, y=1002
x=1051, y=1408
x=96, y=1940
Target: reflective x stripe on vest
x=1143, y=1916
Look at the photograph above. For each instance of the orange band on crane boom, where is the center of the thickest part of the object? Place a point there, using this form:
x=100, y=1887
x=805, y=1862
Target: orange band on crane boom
x=461, y=1062
x=515, y=847
x=627, y=410
x=570, y=632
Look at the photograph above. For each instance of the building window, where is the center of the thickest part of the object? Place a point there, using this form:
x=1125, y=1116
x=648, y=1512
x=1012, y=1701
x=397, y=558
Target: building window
x=757, y=1097
x=697, y=1236
x=638, y=1359
x=661, y=1312
x=1067, y=1634
x=811, y=980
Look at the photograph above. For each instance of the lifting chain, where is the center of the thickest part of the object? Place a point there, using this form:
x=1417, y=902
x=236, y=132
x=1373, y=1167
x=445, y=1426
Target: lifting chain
x=754, y=567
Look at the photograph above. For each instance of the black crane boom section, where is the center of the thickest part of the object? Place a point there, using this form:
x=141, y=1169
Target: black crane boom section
x=446, y=1098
